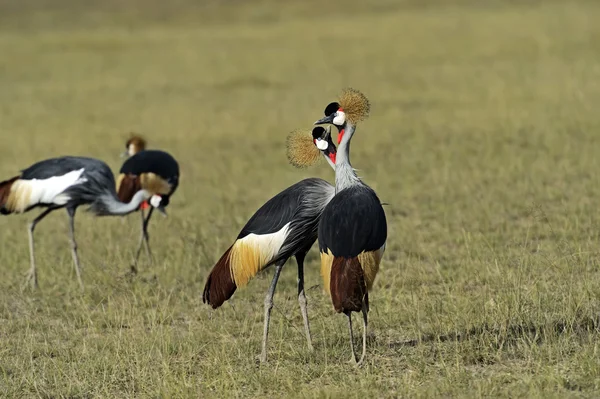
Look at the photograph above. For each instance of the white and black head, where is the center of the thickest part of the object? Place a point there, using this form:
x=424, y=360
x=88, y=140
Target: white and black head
x=322, y=139
x=352, y=108
x=334, y=114
x=159, y=202
x=305, y=148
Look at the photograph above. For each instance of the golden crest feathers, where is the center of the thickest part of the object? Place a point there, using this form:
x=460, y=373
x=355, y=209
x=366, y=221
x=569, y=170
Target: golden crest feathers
x=137, y=141
x=355, y=104
x=301, y=150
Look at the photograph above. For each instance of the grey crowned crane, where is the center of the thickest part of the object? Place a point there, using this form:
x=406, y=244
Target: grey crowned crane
x=153, y=170
x=65, y=182
x=353, y=228
x=283, y=227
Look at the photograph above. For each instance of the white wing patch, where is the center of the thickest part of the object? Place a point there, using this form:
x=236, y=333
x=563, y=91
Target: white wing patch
x=268, y=244
x=27, y=193
x=252, y=253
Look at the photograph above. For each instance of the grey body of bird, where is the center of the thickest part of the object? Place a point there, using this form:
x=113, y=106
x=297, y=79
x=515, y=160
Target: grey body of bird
x=64, y=182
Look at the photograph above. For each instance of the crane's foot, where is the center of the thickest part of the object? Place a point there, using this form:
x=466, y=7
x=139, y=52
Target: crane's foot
x=262, y=357
x=31, y=281
x=360, y=362
x=356, y=363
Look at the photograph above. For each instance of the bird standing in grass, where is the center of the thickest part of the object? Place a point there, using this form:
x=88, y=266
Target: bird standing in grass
x=65, y=182
x=353, y=227
x=153, y=170
x=283, y=227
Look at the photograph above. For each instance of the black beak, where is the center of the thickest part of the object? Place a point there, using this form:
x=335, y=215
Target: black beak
x=162, y=210
x=327, y=119
x=327, y=132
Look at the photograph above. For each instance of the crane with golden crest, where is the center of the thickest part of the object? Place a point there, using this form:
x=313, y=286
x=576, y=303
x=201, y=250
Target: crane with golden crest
x=353, y=228
x=285, y=226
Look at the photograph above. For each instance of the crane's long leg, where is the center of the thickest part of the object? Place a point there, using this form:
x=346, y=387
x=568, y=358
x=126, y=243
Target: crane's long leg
x=353, y=360
x=365, y=311
x=146, y=236
x=302, y=298
x=268, y=307
x=32, y=274
x=71, y=213
x=143, y=240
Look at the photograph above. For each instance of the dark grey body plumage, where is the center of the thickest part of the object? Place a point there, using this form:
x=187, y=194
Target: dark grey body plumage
x=97, y=179
x=353, y=222
x=301, y=206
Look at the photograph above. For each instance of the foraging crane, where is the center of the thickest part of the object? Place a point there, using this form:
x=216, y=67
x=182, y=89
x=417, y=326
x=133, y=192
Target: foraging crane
x=65, y=182
x=153, y=170
x=283, y=227
x=353, y=227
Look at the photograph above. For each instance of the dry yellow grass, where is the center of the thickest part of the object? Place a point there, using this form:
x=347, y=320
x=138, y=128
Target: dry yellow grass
x=482, y=137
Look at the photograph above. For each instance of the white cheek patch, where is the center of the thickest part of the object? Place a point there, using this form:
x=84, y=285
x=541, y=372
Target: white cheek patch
x=155, y=201
x=321, y=144
x=340, y=118
x=131, y=149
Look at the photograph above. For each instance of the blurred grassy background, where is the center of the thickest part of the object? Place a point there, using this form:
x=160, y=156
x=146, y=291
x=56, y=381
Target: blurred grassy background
x=483, y=138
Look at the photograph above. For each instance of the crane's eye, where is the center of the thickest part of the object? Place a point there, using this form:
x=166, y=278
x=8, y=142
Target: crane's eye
x=317, y=132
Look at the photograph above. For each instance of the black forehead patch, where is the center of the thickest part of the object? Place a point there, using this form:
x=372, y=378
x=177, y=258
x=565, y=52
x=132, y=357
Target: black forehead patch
x=332, y=108
x=317, y=132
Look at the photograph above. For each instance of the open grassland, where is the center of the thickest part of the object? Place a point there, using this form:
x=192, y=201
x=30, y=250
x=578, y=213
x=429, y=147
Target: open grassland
x=483, y=138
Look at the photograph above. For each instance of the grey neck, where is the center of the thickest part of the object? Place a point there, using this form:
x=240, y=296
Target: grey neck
x=345, y=176
x=120, y=208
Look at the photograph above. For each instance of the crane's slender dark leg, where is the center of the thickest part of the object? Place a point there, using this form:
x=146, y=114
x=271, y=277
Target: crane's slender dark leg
x=365, y=311
x=353, y=360
x=71, y=213
x=144, y=237
x=302, y=298
x=32, y=274
x=268, y=307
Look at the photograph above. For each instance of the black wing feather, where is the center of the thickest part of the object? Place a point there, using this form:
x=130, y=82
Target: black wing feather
x=354, y=221
x=152, y=161
x=60, y=166
x=279, y=210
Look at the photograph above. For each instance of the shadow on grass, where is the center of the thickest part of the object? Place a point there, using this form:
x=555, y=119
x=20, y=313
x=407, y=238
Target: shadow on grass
x=531, y=332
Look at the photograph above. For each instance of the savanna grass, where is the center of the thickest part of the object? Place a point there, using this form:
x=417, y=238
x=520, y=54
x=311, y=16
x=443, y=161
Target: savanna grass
x=482, y=137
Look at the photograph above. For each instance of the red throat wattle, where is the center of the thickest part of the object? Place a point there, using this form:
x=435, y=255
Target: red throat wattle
x=340, y=135
x=332, y=157
x=144, y=205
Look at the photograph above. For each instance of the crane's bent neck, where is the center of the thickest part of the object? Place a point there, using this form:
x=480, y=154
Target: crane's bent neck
x=120, y=208
x=329, y=161
x=345, y=176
